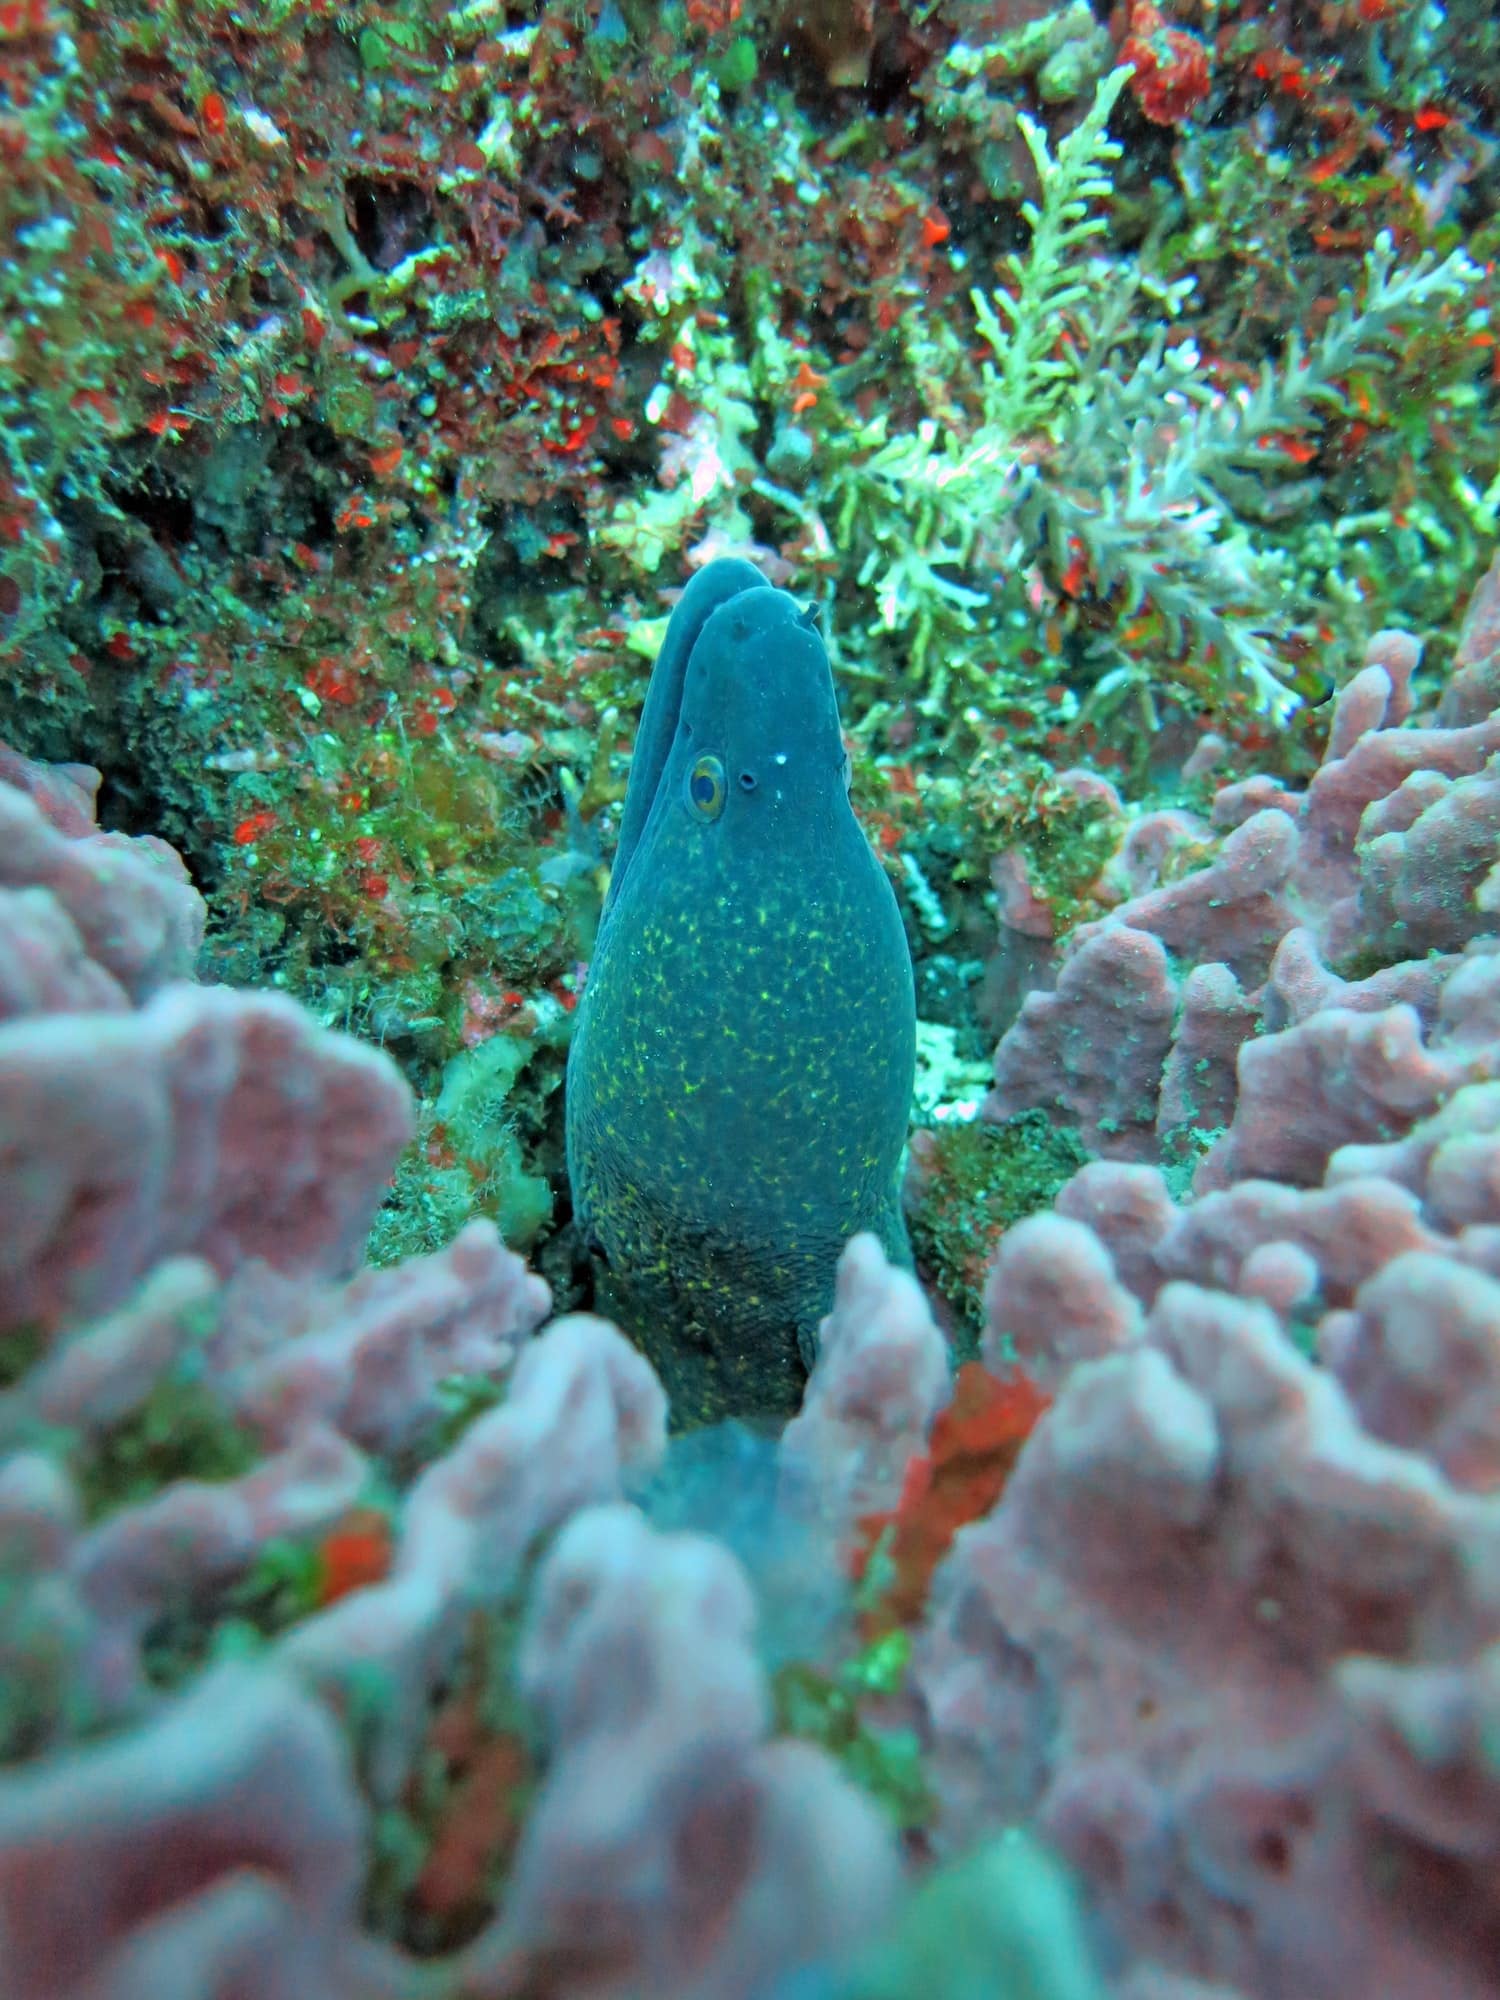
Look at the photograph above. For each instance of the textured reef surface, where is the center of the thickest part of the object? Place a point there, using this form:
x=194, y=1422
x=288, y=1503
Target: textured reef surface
x=536, y=1461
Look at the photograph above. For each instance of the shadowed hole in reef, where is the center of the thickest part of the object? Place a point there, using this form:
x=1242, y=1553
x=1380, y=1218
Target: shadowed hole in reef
x=1272, y=1851
x=392, y=220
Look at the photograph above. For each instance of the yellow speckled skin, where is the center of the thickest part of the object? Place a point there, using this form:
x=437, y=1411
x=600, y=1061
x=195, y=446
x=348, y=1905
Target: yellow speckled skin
x=741, y=1071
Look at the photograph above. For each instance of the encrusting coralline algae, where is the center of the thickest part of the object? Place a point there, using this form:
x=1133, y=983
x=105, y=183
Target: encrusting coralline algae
x=1228, y=1640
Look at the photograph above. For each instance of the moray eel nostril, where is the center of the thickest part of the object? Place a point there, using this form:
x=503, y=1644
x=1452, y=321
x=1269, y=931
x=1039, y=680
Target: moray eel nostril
x=741, y=1070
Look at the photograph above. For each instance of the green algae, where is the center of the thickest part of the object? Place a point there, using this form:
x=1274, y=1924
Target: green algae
x=180, y=1431
x=830, y=1708
x=979, y=1179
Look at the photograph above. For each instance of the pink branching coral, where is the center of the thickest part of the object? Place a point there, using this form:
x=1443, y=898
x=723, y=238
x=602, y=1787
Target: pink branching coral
x=1193, y=1571
x=673, y=1849
x=205, y=1411
x=118, y=910
x=1238, y=1607
x=1385, y=856
x=1229, y=1636
x=216, y=1850
x=882, y=1376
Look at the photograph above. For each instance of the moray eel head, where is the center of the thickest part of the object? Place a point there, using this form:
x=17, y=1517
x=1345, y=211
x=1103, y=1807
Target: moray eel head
x=741, y=1071
x=758, y=758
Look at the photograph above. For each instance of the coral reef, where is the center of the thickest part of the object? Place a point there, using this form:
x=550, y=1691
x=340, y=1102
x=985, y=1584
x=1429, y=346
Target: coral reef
x=338, y=1601
x=369, y=369
x=374, y=374
x=1245, y=1640
x=242, y=1481
x=244, y=1152
x=1207, y=1009
x=1274, y=1402
x=1115, y=392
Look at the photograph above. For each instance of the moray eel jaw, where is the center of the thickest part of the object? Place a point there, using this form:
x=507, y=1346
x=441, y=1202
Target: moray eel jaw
x=741, y=1073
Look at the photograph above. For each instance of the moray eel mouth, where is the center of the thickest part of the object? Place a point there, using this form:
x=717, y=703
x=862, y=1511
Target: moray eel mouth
x=741, y=1071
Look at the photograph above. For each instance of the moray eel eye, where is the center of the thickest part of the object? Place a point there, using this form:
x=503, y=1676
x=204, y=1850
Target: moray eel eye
x=705, y=787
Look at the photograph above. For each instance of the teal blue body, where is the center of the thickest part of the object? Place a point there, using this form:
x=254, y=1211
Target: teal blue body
x=741, y=1072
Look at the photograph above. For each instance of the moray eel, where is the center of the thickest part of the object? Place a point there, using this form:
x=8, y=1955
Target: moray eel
x=742, y=1063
